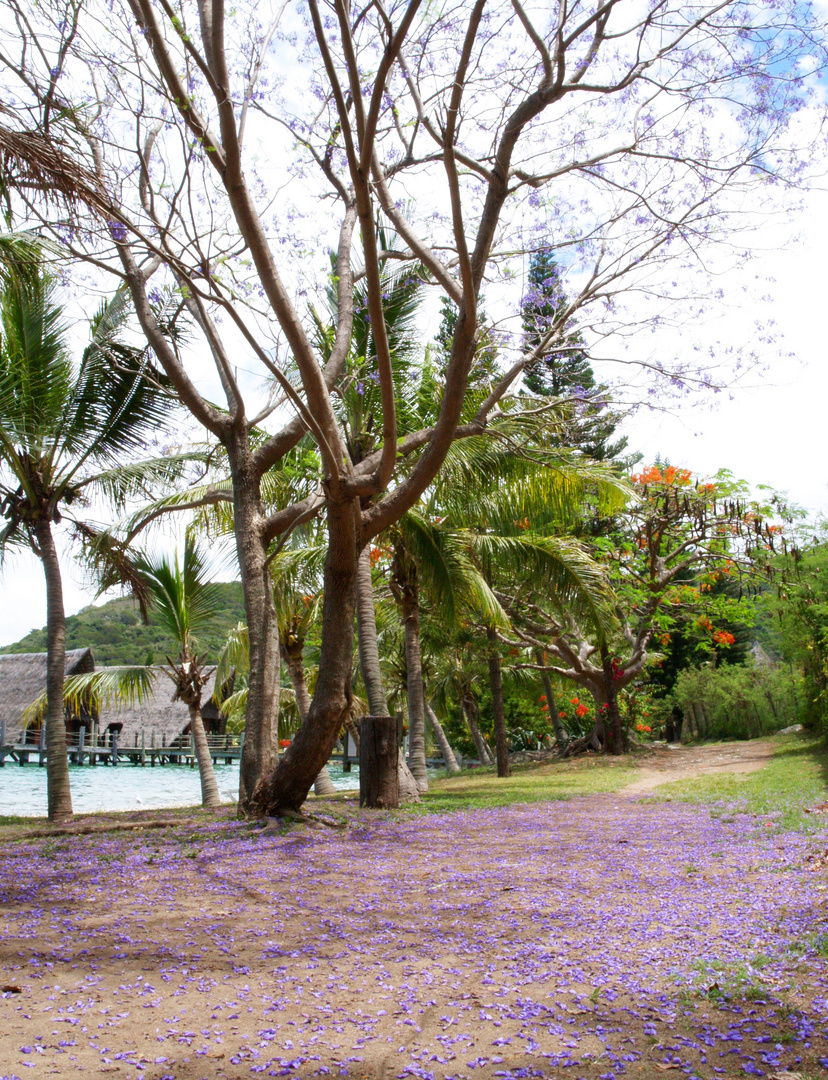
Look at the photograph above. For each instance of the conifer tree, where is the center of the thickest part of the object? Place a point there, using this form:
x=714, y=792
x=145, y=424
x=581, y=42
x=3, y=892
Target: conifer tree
x=566, y=372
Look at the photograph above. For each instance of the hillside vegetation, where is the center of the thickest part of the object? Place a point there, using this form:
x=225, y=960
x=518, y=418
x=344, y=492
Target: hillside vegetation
x=117, y=635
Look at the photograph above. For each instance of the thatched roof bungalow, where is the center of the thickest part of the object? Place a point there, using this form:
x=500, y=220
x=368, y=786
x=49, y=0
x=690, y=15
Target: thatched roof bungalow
x=158, y=714
x=23, y=680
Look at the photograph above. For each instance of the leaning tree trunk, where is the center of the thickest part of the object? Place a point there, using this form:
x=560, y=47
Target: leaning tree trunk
x=369, y=664
x=58, y=791
x=561, y=734
x=312, y=745
x=483, y=751
x=414, y=678
x=259, y=756
x=292, y=654
x=445, y=746
x=615, y=729
x=210, y=799
x=496, y=684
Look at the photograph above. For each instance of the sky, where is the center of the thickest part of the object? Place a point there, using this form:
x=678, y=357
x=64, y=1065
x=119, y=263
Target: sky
x=774, y=429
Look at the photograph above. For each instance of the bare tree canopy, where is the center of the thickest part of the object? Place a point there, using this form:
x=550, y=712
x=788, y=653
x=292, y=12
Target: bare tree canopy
x=208, y=158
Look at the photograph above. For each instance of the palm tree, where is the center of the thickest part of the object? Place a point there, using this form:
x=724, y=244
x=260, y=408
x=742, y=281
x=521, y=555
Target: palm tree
x=67, y=434
x=184, y=604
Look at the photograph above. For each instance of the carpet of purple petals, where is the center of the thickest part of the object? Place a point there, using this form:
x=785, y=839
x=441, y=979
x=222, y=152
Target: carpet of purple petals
x=590, y=938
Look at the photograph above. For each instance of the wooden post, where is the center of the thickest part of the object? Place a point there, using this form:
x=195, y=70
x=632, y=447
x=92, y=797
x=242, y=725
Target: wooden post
x=2, y=743
x=379, y=785
x=93, y=744
x=81, y=743
x=41, y=751
x=143, y=747
x=114, y=755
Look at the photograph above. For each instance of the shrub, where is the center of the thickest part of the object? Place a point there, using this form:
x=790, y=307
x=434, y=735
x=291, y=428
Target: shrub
x=737, y=702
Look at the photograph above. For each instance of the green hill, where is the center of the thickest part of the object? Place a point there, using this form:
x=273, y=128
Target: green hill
x=117, y=635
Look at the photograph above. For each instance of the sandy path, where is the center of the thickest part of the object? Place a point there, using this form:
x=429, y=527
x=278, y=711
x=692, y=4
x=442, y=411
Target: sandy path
x=667, y=764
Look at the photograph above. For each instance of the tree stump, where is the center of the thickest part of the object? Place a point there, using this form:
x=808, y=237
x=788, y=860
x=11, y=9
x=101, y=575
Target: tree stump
x=378, y=780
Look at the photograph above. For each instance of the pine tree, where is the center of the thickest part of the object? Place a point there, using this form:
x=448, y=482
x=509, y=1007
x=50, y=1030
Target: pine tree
x=567, y=372
x=485, y=360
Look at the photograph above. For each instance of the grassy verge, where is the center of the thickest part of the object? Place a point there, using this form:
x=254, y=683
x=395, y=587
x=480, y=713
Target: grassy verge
x=482, y=788
x=795, y=779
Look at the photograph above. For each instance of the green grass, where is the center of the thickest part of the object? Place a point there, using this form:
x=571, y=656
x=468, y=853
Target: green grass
x=482, y=788
x=795, y=778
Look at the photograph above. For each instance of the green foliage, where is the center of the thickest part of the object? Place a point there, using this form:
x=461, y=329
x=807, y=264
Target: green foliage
x=117, y=636
x=793, y=620
x=732, y=702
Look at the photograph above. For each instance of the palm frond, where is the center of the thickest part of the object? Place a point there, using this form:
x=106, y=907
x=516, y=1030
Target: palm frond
x=557, y=566
x=450, y=578
x=234, y=655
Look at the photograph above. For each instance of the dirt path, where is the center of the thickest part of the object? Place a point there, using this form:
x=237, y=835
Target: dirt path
x=594, y=938
x=666, y=764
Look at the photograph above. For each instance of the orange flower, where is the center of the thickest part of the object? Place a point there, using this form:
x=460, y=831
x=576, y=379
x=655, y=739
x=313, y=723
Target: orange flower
x=723, y=637
x=582, y=710
x=562, y=715
x=573, y=701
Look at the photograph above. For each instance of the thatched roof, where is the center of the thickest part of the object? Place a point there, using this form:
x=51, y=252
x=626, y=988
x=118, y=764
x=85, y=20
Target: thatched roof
x=157, y=713
x=23, y=680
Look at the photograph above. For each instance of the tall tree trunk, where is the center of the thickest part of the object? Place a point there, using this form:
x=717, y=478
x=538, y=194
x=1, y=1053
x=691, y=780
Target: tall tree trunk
x=561, y=734
x=259, y=755
x=209, y=787
x=292, y=655
x=445, y=746
x=58, y=791
x=615, y=729
x=483, y=752
x=496, y=684
x=414, y=678
x=293, y=778
x=369, y=664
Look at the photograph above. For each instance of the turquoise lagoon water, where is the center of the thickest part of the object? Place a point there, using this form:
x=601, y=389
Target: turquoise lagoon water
x=127, y=787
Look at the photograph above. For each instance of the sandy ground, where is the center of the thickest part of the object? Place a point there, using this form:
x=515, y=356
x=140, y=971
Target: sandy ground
x=601, y=938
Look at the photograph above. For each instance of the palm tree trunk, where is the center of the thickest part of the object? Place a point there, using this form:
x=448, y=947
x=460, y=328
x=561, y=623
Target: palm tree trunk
x=59, y=794
x=445, y=747
x=496, y=684
x=561, y=734
x=369, y=664
x=209, y=787
x=292, y=654
x=483, y=752
x=414, y=678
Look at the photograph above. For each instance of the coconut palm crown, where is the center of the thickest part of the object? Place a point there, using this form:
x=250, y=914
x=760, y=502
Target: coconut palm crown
x=69, y=434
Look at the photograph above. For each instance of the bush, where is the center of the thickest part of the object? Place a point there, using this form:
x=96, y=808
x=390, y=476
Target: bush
x=743, y=702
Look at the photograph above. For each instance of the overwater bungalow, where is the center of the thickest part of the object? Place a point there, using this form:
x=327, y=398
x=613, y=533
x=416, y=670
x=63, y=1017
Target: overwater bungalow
x=162, y=721
x=23, y=681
